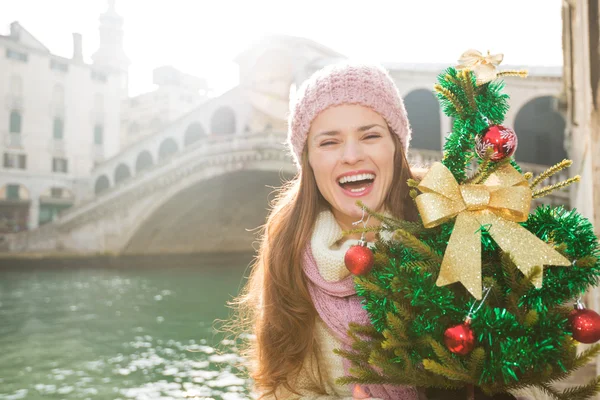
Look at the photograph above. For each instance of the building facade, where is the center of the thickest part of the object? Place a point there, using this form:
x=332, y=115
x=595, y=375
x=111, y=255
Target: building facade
x=59, y=117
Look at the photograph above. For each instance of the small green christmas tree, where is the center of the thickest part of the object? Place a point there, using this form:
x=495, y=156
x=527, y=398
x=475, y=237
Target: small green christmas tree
x=473, y=297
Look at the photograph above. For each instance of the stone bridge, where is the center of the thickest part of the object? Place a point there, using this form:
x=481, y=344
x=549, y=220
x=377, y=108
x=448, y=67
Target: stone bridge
x=208, y=198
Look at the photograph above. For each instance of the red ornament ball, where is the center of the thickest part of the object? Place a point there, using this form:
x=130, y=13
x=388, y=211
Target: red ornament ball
x=503, y=140
x=585, y=325
x=460, y=339
x=359, y=259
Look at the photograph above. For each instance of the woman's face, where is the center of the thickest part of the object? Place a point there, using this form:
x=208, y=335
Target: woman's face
x=351, y=152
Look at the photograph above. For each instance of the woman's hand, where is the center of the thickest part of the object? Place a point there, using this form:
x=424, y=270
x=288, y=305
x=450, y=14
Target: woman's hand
x=359, y=393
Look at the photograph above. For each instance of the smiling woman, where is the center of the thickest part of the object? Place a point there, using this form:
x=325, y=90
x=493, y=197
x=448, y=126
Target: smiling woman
x=353, y=161
x=348, y=134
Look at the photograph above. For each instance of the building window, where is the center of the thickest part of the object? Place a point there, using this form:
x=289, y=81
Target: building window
x=16, y=161
x=59, y=66
x=59, y=165
x=56, y=193
x=12, y=192
x=98, y=76
x=58, y=128
x=15, y=121
x=98, y=134
x=16, y=55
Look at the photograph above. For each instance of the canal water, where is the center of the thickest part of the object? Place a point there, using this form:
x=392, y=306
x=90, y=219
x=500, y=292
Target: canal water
x=119, y=333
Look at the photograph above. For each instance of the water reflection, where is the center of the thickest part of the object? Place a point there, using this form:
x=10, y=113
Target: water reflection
x=135, y=333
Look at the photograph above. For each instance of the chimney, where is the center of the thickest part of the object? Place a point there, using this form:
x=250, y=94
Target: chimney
x=15, y=31
x=77, y=48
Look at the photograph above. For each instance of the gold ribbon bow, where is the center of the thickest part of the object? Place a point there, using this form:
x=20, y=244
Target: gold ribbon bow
x=484, y=67
x=496, y=205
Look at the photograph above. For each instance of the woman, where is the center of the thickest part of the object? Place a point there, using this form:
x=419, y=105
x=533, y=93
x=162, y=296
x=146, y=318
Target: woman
x=348, y=134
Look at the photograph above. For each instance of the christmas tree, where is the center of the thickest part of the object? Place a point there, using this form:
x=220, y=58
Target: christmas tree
x=476, y=297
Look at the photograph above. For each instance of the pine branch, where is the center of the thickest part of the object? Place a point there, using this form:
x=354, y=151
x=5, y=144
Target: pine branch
x=550, y=171
x=415, y=244
x=404, y=312
x=451, y=97
x=392, y=223
x=513, y=72
x=466, y=83
x=444, y=371
x=364, y=330
x=397, y=327
x=582, y=392
x=586, y=261
x=391, y=342
x=447, y=358
x=369, y=286
x=476, y=362
x=354, y=358
x=492, y=168
x=585, y=357
x=546, y=190
x=549, y=390
x=531, y=318
x=480, y=173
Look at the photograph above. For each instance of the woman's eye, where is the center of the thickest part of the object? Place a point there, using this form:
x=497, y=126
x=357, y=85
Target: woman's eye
x=372, y=135
x=326, y=143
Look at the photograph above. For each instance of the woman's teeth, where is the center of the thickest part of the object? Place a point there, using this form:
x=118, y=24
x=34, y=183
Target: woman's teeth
x=354, y=178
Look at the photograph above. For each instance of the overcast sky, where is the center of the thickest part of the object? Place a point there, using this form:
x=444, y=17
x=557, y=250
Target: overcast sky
x=202, y=37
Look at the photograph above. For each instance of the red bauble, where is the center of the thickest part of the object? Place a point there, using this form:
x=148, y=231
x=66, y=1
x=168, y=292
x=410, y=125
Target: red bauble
x=359, y=259
x=460, y=339
x=585, y=324
x=503, y=140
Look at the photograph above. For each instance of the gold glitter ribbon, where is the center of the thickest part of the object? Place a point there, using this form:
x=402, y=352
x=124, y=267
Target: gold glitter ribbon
x=496, y=206
x=484, y=67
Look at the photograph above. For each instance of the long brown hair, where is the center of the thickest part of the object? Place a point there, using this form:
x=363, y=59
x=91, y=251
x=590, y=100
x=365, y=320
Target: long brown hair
x=275, y=305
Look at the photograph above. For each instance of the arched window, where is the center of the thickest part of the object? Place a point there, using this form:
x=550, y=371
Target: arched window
x=143, y=161
x=15, y=121
x=101, y=185
x=98, y=134
x=424, y=115
x=541, y=133
x=167, y=148
x=121, y=173
x=58, y=128
x=223, y=121
x=193, y=133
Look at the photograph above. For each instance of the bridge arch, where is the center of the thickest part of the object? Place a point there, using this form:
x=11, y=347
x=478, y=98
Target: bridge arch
x=193, y=133
x=541, y=132
x=122, y=172
x=143, y=161
x=167, y=148
x=202, y=213
x=424, y=115
x=102, y=184
x=223, y=121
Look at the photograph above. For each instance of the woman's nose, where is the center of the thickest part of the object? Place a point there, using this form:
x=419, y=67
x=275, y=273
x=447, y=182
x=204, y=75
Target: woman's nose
x=353, y=153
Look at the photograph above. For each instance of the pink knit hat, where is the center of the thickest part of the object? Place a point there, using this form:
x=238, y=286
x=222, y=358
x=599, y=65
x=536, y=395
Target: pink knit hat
x=351, y=83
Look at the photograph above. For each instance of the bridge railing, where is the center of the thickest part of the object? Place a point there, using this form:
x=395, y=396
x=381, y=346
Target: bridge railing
x=218, y=145
x=210, y=146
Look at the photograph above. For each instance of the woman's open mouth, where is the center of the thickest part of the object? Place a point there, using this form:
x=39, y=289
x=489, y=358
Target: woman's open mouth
x=357, y=185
